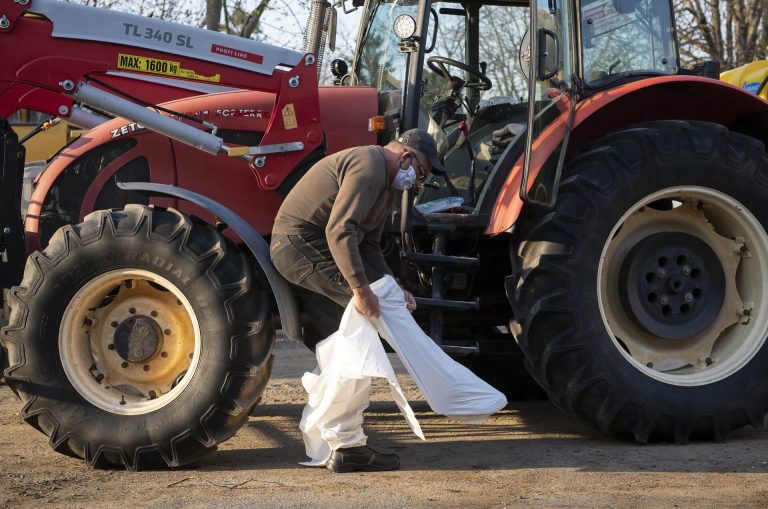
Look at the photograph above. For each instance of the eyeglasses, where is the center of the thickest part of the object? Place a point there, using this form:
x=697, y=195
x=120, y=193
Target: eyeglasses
x=420, y=173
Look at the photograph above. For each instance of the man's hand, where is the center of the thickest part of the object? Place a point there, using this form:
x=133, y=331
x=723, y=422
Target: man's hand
x=410, y=302
x=366, y=301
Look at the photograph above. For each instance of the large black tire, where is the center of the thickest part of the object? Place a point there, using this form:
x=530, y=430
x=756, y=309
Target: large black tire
x=630, y=210
x=173, y=321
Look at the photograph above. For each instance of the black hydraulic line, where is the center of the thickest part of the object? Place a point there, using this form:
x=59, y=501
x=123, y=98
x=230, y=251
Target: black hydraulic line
x=42, y=126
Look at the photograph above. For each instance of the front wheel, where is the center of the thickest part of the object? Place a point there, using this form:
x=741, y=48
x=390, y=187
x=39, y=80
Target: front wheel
x=643, y=301
x=138, y=338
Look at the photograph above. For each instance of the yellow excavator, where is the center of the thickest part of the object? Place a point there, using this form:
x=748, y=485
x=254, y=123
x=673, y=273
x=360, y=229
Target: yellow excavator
x=752, y=77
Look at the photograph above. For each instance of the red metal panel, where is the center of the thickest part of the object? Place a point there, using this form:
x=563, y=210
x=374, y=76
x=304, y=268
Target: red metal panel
x=345, y=112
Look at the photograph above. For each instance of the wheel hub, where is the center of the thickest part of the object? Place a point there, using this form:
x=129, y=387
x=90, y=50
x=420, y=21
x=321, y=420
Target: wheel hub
x=131, y=342
x=138, y=339
x=672, y=285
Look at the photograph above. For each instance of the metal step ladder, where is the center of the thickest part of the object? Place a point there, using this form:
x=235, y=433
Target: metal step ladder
x=438, y=305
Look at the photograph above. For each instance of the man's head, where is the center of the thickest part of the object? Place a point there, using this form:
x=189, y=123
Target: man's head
x=423, y=147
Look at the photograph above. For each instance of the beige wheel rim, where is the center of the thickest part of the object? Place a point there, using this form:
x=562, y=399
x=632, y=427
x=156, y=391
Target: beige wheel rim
x=129, y=342
x=738, y=331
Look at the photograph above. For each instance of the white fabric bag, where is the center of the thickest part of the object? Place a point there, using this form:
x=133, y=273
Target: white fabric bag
x=338, y=387
x=450, y=388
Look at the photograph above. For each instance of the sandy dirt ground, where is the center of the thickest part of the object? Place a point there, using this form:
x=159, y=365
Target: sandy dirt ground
x=529, y=455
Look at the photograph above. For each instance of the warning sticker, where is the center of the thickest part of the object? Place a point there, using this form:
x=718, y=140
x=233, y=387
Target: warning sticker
x=289, y=117
x=164, y=67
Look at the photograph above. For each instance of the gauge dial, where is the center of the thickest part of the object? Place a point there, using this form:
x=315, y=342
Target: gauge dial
x=404, y=26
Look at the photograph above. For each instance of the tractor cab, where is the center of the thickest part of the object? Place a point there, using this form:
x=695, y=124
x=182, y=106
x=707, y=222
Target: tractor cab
x=460, y=70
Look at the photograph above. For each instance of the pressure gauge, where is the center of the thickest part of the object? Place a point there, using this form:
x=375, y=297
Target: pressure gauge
x=404, y=26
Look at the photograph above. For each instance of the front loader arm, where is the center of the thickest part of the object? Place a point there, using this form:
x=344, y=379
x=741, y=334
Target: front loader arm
x=54, y=60
x=52, y=43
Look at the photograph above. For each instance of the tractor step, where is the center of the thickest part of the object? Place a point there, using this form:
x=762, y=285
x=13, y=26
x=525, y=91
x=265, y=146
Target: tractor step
x=438, y=259
x=448, y=304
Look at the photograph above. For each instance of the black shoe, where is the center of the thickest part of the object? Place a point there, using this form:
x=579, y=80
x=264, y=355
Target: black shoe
x=362, y=458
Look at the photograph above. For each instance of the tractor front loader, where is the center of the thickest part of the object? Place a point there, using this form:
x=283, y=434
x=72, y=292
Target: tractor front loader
x=599, y=237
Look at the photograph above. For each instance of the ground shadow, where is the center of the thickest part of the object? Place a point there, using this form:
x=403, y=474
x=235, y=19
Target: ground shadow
x=523, y=436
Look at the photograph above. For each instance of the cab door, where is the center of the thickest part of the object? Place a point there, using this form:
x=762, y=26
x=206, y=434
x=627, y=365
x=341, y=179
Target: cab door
x=548, y=50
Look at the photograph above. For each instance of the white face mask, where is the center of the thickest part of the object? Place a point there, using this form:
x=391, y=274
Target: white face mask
x=404, y=178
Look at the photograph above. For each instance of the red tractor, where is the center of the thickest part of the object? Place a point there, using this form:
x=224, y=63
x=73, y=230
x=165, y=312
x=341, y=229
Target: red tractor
x=597, y=221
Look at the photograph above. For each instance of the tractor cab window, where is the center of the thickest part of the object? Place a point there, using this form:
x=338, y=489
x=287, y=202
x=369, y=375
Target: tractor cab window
x=378, y=63
x=484, y=40
x=626, y=36
x=472, y=80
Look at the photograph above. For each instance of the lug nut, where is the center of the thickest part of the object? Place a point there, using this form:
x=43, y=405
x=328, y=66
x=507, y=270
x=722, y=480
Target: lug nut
x=664, y=300
x=164, y=355
x=709, y=361
x=124, y=365
x=146, y=367
x=111, y=346
x=88, y=322
x=114, y=324
x=154, y=314
x=152, y=394
x=686, y=270
x=649, y=364
x=167, y=332
x=661, y=273
x=688, y=297
x=132, y=311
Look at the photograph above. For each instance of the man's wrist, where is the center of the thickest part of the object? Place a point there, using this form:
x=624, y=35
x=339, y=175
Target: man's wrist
x=361, y=290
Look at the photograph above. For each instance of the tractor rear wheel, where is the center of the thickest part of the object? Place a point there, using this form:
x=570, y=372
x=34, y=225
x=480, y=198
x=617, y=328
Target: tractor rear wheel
x=642, y=304
x=138, y=338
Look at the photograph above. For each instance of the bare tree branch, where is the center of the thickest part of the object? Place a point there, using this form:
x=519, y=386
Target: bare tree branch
x=733, y=32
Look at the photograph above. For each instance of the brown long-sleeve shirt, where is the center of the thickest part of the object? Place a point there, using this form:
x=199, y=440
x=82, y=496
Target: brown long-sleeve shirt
x=347, y=195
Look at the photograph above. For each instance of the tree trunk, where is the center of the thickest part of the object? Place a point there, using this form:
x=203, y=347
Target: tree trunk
x=253, y=19
x=213, y=14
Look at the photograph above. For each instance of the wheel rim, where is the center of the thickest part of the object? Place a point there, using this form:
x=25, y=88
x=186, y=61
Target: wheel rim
x=708, y=315
x=129, y=341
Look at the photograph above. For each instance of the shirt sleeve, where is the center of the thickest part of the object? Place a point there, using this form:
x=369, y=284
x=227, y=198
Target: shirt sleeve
x=361, y=183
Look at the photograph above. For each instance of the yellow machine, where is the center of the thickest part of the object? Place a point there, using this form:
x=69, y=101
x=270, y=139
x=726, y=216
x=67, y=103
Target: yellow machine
x=752, y=77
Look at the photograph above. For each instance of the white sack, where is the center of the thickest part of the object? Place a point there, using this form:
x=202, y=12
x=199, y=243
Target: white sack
x=338, y=387
x=450, y=388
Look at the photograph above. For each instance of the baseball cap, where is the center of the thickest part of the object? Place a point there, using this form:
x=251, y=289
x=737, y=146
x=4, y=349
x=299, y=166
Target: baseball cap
x=420, y=140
